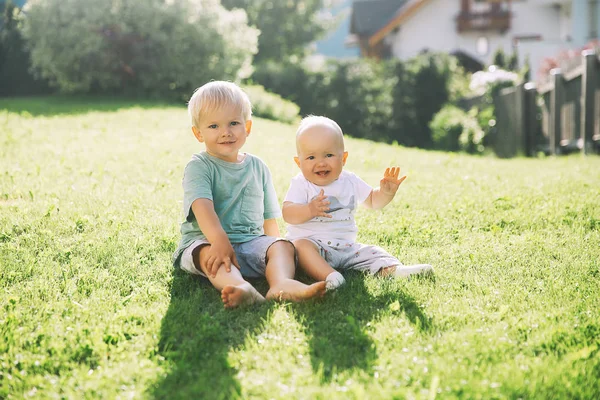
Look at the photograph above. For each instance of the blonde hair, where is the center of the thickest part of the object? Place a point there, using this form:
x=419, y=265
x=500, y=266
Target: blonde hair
x=317, y=120
x=214, y=95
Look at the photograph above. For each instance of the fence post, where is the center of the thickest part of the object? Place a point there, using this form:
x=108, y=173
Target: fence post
x=588, y=85
x=530, y=118
x=556, y=100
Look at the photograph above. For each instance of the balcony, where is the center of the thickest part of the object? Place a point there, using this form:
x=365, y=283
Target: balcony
x=498, y=20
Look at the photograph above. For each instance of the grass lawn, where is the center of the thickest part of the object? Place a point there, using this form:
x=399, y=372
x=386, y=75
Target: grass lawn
x=90, y=206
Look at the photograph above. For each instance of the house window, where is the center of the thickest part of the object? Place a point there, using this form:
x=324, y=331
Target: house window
x=482, y=46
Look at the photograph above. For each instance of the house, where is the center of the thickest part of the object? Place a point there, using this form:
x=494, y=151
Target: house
x=473, y=29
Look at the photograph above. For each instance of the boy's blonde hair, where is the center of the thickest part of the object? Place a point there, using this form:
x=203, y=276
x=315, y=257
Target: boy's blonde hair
x=316, y=120
x=214, y=95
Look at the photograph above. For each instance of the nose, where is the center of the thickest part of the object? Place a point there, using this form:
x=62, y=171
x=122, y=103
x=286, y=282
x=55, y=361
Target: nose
x=227, y=132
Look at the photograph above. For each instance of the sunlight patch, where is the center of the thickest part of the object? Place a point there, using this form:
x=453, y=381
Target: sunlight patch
x=260, y=358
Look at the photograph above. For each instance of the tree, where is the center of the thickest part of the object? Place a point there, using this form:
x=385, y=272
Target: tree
x=15, y=78
x=160, y=47
x=286, y=26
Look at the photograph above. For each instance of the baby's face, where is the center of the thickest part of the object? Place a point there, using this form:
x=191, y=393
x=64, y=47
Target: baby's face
x=224, y=132
x=321, y=155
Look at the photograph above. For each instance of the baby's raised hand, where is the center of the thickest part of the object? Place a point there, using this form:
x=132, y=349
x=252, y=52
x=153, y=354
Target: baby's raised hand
x=390, y=182
x=319, y=205
x=220, y=254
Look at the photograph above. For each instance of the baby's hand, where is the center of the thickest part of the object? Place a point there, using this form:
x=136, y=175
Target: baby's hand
x=318, y=206
x=390, y=182
x=220, y=254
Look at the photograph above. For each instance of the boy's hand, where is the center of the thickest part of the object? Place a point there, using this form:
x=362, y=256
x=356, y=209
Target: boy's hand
x=220, y=254
x=318, y=206
x=390, y=183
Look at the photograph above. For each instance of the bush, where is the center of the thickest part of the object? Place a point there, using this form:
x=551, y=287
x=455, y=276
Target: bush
x=386, y=101
x=153, y=47
x=492, y=80
x=422, y=88
x=360, y=99
x=270, y=105
x=486, y=118
x=354, y=93
x=486, y=85
x=454, y=130
x=291, y=81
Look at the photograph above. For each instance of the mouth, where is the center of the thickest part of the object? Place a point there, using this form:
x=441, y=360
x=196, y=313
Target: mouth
x=322, y=174
x=230, y=142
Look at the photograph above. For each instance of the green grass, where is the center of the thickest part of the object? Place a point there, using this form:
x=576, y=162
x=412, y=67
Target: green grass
x=90, y=205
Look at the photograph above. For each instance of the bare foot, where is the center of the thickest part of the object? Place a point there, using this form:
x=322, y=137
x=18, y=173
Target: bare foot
x=240, y=295
x=296, y=291
x=387, y=271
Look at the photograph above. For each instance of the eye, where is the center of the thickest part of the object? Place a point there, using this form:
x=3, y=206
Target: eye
x=234, y=123
x=213, y=126
x=310, y=157
x=329, y=155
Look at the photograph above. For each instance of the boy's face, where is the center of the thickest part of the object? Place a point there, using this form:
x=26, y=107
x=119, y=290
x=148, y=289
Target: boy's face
x=224, y=132
x=321, y=155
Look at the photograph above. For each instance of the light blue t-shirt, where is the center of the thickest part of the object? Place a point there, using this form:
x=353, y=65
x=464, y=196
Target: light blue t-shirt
x=242, y=194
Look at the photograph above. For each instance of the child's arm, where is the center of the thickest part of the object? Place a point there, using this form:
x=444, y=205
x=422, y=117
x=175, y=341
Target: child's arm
x=271, y=228
x=387, y=189
x=294, y=213
x=220, y=252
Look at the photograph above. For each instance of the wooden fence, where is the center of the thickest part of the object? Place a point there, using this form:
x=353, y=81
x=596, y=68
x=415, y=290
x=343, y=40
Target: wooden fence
x=559, y=117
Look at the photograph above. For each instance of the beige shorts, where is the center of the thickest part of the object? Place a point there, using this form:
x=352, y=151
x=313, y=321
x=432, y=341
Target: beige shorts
x=355, y=256
x=251, y=255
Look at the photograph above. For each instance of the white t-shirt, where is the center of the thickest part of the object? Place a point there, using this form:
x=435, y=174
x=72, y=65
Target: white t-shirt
x=344, y=195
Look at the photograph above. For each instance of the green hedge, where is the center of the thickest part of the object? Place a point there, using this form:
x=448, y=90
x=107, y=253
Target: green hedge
x=387, y=101
x=270, y=105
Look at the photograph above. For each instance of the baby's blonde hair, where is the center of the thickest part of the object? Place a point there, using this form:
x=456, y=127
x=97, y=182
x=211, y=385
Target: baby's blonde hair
x=217, y=94
x=317, y=120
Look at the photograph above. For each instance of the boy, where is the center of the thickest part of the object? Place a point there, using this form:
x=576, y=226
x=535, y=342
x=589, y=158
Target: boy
x=230, y=206
x=319, y=208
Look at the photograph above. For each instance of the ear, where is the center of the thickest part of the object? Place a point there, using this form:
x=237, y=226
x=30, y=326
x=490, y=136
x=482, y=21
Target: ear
x=344, y=157
x=248, y=127
x=297, y=161
x=197, y=134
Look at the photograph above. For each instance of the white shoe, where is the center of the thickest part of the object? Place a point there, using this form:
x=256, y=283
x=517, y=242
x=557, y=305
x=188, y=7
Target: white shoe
x=405, y=271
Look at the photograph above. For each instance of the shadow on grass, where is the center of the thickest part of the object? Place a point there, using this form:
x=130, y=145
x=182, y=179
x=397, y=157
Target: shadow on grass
x=73, y=105
x=196, y=336
x=339, y=327
x=197, y=333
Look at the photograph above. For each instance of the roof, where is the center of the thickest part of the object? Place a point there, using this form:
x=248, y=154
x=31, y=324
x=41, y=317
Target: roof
x=405, y=11
x=369, y=16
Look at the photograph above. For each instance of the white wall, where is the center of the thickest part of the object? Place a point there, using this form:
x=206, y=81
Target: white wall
x=434, y=27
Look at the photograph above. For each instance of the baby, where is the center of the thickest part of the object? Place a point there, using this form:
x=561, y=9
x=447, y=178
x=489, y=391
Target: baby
x=320, y=204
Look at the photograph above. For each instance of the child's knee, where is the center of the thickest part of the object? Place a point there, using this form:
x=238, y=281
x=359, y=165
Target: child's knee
x=281, y=247
x=304, y=245
x=199, y=255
